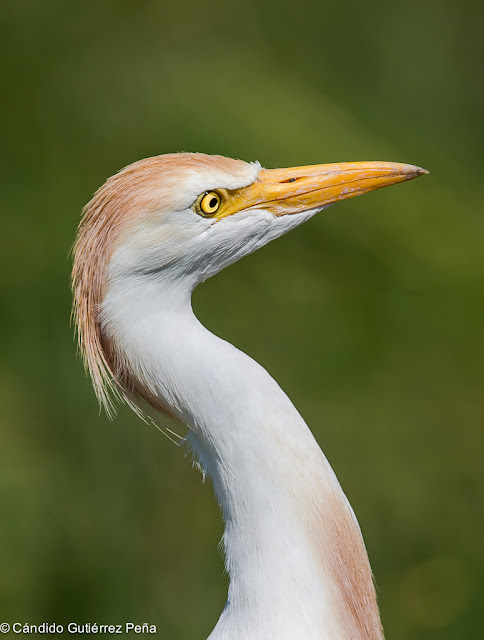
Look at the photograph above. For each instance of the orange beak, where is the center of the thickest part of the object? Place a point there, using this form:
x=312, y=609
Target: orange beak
x=298, y=189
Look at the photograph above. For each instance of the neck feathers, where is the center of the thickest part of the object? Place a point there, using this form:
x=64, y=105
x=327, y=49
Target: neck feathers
x=341, y=551
x=295, y=555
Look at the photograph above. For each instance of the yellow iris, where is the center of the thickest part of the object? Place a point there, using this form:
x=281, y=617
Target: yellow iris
x=208, y=203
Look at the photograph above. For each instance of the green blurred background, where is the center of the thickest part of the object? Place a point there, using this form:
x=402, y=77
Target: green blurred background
x=370, y=316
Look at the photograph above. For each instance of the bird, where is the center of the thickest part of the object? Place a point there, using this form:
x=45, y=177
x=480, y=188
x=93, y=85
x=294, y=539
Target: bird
x=297, y=564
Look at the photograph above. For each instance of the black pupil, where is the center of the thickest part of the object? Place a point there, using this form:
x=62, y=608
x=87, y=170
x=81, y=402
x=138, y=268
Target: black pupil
x=213, y=203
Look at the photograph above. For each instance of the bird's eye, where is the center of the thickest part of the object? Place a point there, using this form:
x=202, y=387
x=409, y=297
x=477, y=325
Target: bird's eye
x=208, y=203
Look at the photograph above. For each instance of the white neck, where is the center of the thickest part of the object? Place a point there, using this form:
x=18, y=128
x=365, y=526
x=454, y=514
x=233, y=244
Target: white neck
x=294, y=551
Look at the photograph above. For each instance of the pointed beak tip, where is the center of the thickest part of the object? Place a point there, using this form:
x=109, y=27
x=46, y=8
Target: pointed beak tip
x=415, y=171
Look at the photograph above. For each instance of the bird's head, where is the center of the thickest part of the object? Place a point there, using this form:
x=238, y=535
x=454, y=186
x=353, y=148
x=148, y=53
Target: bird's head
x=174, y=220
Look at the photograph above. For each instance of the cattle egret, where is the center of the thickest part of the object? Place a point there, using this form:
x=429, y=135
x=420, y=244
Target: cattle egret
x=296, y=559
